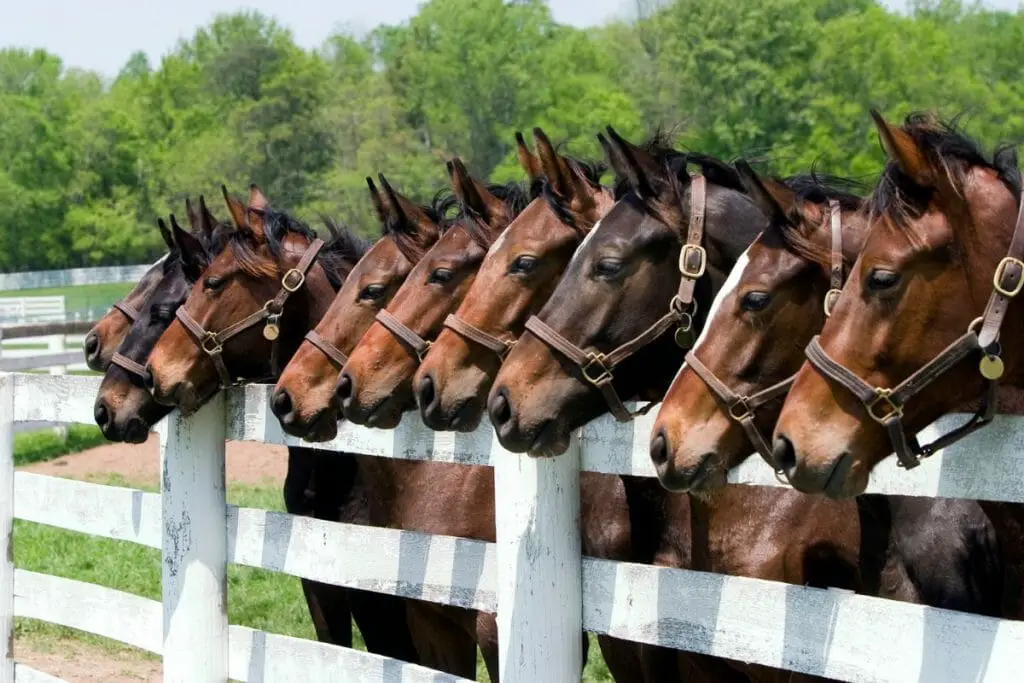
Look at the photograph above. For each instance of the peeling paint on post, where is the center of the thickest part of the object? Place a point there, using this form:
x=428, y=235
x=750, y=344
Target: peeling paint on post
x=194, y=546
x=540, y=591
x=6, y=524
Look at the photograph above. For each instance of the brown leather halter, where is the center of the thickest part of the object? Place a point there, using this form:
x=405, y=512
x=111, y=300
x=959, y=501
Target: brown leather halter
x=597, y=367
x=885, y=405
x=327, y=348
x=127, y=364
x=743, y=409
x=404, y=334
x=212, y=343
x=474, y=334
x=129, y=312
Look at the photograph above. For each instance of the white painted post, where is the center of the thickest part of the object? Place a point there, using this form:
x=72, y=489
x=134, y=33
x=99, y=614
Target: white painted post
x=6, y=528
x=540, y=592
x=55, y=344
x=194, y=546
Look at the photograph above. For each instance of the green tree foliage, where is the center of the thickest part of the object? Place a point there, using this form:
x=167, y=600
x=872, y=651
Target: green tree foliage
x=87, y=163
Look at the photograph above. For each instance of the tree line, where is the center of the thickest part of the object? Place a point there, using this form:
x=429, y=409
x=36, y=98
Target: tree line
x=87, y=163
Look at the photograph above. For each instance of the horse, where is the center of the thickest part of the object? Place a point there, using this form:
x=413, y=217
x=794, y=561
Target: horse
x=124, y=409
x=514, y=280
x=261, y=247
x=616, y=294
x=303, y=398
x=727, y=396
x=904, y=344
x=106, y=335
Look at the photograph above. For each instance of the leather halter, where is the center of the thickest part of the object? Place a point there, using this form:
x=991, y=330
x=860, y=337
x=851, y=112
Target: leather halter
x=475, y=334
x=327, y=348
x=404, y=334
x=212, y=343
x=743, y=409
x=597, y=367
x=885, y=405
x=127, y=364
x=129, y=312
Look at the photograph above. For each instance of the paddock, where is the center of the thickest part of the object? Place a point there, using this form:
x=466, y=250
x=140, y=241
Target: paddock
x=534, y=576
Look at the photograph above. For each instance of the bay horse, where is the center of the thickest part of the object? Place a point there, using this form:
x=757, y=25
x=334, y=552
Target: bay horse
x=303, y=398
x=124, y=408
x=617, y=287
x=905, y=344
x=928, y=551
x=106, y=335
x=262, y=245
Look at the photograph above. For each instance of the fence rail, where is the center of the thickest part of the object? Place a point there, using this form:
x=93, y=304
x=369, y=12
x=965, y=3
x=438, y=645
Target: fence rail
x=543, y=591
x=38, y=279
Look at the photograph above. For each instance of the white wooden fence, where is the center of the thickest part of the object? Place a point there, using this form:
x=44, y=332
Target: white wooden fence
x=32, y=309
x=543, y=591
x=36, y=279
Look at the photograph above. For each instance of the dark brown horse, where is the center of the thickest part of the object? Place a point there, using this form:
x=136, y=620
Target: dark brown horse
x=515, y=279
x=109, y=331
x=303, y=399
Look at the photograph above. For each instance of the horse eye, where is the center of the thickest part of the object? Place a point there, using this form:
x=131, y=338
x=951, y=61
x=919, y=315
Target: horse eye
x=755, y=301
x=213, y=282
x=372, y=292
x=524, y=264
x=608, y=267
x=880, y=280
x=441, y=275
x=162, y=313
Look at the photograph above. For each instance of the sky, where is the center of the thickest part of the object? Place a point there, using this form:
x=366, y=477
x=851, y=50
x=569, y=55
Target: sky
x=102, y=34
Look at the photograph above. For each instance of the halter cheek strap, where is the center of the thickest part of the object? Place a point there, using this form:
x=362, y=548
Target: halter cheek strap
x=886, y=405
x=212, y=343
x=596, y=367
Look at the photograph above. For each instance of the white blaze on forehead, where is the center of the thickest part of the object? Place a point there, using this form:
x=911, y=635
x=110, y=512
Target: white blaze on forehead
x=161, y=259
x=583, y=244
x=501, y=240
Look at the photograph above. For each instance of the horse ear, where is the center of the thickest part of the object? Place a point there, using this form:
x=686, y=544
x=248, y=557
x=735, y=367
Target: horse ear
x=193, y=216
x=192, y=253
x=473, y=195
x=378, y=201
x=555, y=167
x=207, y=221
x=165, y=234
x=775, y=200
x=904, y=150
x=642, y=171
x=236, y=209
x=413, y=224
x=257, y=200
x=256, y=224
x=527, y=159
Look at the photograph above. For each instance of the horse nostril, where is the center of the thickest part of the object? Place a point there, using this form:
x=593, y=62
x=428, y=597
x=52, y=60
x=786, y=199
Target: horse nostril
x=92, y=344
x=281, y=403
x=102, y=414
x=147, y=379
x=659, y=448
x=425, y=394
x=499, y=408
x=784, y=454
x=345, y=388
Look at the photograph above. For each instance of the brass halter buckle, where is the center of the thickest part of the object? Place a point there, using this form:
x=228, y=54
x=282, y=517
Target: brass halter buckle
x=422, y=353
x=997, y=278
x=596, y=359
x=739, y=410
x=211, y=345
x=293, y=273
x=702, y=261
x=882, y=396
x=831, y=296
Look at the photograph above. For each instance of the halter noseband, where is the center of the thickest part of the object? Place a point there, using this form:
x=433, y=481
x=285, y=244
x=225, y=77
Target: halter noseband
x=885, y=405
x=743, y=409
x=501, y=347
x=212, y=343
x=127, y=309
x=404, y=334
x=597, y=367
x=327, y=348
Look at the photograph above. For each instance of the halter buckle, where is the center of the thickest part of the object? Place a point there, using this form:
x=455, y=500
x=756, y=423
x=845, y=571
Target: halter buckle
x=596, y=358
x=738, y=409
x=422, y=352
x=883, y=396
x=211, y=349
x=997, y=278
x=702, y=261
x=292, y=288
x=831, y=296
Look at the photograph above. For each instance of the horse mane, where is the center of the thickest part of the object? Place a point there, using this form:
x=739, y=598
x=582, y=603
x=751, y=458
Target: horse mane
x=676, y=163
x=515, y=196
x=438, y=211
x=818, y=188
x=946, y=147
x=338, y=256
x=590, y=171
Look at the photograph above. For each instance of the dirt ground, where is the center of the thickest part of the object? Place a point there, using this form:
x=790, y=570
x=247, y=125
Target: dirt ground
x=76, y=662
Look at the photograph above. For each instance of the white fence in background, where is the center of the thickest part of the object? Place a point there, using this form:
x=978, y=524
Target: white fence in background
x=32, y=309
x=36, y=279
x=543, y=591
x=57, y=352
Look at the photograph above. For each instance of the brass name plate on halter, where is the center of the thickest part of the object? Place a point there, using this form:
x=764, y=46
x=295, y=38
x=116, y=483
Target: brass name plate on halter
x=991, y=367
x=685, y=338
x=271, y=331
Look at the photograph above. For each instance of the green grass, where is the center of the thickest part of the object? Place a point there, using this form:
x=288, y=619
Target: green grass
x=78, y=297
x=42, y=445
x=258, y=599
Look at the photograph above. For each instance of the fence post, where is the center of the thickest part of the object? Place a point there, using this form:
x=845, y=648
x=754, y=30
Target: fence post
x=55, y=344
x=194, y=563
x=6, y=528
x=540, y=592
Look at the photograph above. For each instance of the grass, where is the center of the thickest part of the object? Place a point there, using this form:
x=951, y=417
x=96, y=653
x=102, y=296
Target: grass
x=258, y=599
x=78, y=297
x=46, y=444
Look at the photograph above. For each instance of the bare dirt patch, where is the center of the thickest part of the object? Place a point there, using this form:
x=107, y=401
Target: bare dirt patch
x=255, y=464
x=77, y=662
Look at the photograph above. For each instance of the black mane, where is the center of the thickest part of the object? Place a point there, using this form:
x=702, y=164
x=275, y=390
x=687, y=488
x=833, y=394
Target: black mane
x=820, y=188
x=438, y=211
x=659, y=145
x=513, y=195
x=899, y=197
